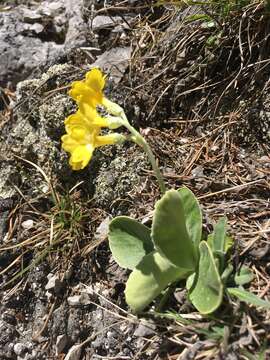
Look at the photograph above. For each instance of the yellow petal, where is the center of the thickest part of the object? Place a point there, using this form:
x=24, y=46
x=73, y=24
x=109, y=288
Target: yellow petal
x=101, y=122
x=80, y=92
x=106, y=140
x=95, y=80
x=75, y=120
x=91, y=117
x=79, y=133
x=87, y=111
x=69, y=144
x=81, y=156
x=78, y=89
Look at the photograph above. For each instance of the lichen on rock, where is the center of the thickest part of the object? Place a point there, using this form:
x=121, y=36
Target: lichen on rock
x=119, y=178
x=35, y=130
x=34, y=134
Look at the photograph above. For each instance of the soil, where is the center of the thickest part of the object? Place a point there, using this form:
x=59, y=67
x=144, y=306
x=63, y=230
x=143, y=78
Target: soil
x=200, y=95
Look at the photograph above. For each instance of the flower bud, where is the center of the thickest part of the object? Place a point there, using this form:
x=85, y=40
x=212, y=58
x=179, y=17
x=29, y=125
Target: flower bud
x=111, y=107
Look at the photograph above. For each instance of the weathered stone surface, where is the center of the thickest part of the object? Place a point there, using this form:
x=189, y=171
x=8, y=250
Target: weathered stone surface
x=34, y=135
x=36, y=36
x=35, y=132
x=77, y=300
x=115, y=61
x=121, y=176
x=74, y=353
x=61, y=343
x=28, y=224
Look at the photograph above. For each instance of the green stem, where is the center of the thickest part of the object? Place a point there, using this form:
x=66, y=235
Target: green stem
x=139, y=139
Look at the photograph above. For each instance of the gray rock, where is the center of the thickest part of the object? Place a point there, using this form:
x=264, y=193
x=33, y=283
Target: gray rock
x=102, y=230
x=77, y=300
x=40, y=312
x=74, y=353
x=19, y=348
x=28, y=224
x=144, y=330
x=28, y=15
x=104, y=22
x=198, y=171
x=37, y=28
x=35, y=135
x=54, y=285
x=59, y=320
x=61, y=343
x=101, y=22
x=36, y=36
x=114, y=61
x=119, y=177
x=74, y=300
x=74, y=323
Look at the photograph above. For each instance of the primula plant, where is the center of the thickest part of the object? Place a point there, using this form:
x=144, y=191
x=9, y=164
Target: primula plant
x=84, y=128
x=174, y=248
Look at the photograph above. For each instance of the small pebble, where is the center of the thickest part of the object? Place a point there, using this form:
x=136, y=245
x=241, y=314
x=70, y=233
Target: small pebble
x=61, y=343
x=19, y=349
x=144, y=330
x=76, y=300
x=74, y=353
x=54, y=285
x=28, y=224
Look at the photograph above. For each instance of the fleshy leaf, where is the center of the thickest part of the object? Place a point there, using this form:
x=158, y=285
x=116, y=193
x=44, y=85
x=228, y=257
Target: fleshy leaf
x=193, y=215
x=248, y=297
x=244, y=276
x=152, y=275
x=228, y=242
x=219, y=236
x=129, y=241
x=190, y=281
x=169, y=232
x=217, y=242
x=227, y=273
x=207, y=290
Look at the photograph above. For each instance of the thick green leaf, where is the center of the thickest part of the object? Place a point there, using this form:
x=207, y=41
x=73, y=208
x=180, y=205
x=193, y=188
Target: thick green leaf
x=190, y=281
x=219, y=236
x=228, y=242
x=207, y=290
x=218, y=242
x=248, y=297
x=169, y=232
x=210, y=241
x=129, y=241
x=244, y=276
x=152, y=275
x=193, y=215
x=227, y=273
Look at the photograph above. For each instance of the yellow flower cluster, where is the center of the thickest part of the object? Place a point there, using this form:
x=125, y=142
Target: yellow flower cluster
x=83, y=128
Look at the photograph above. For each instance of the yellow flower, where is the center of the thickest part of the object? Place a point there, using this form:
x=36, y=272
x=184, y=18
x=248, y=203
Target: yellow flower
x=83, y=128
x=83, y=136
x=90, y=90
